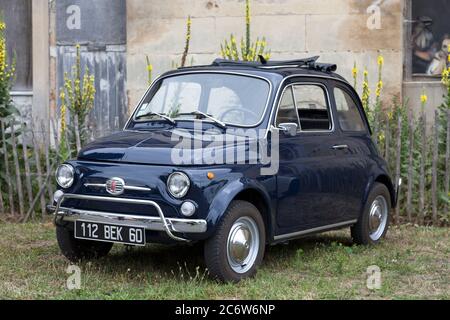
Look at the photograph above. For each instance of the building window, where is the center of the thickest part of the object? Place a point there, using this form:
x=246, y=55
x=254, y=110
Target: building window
x=429, y=37
x=17, y=16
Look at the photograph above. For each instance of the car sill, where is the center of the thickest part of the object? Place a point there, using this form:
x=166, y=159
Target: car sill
x=314, y=230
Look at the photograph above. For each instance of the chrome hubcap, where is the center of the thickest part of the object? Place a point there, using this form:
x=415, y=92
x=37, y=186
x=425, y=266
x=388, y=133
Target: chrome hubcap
x=378, y=217
x=243, y=244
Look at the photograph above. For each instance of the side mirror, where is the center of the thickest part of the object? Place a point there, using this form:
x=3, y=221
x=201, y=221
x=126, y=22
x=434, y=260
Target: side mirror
x=289, y=128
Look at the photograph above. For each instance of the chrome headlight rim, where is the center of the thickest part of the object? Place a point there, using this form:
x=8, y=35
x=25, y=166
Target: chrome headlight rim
x=72, y=171
x=188, y=184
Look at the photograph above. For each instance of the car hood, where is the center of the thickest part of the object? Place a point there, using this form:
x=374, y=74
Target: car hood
x=158, y=147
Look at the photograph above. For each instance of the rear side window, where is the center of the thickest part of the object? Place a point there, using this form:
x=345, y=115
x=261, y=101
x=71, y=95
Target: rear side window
x=312, y=108
x=347, y=111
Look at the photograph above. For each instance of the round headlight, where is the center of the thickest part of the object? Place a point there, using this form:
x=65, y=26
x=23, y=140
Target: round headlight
x=65, y=175
x=178, y=184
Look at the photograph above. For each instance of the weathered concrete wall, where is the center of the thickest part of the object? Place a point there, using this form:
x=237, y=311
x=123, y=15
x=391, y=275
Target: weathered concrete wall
x=434, y=91
x=23, y=102
x=334, y=29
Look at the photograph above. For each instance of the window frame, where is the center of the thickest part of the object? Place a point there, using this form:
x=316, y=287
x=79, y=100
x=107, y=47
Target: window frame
x=154, y=86
x=408, y=75
x=19, y=89
x=327, y=100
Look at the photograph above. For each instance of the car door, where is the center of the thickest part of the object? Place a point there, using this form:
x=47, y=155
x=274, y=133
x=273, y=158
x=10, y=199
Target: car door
x=310, y=183
x=355, y=139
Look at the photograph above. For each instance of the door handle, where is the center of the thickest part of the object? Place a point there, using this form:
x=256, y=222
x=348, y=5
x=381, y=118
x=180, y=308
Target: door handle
x=340, y=147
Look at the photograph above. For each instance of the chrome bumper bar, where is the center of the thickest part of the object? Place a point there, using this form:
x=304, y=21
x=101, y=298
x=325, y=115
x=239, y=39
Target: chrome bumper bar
x=161, y=223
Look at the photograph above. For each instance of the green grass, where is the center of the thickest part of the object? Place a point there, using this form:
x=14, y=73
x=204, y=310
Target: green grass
x=414, y=262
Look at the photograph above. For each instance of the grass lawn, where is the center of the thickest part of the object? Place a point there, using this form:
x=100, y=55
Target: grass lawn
x=414, y=262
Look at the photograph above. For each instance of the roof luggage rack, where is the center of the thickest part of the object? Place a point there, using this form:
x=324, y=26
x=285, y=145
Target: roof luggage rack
x=308, y=63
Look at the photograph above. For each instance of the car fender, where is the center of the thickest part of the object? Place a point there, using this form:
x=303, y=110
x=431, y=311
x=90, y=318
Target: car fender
x=374, y=178
x=227, y=194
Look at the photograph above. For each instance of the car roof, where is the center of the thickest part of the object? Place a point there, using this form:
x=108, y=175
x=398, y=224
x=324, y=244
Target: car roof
x=271, y=70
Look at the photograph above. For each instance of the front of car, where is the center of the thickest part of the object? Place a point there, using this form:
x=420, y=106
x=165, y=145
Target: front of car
x=171, y=173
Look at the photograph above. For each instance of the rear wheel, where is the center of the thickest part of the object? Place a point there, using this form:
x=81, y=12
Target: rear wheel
x=77, y=249
x=373, y=224
x=236, y=250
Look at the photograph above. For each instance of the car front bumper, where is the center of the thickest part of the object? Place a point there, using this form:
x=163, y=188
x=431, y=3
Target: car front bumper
x=160, y=223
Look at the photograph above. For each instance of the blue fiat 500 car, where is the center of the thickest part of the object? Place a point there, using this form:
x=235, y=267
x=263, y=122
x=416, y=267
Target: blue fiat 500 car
x=236, y=155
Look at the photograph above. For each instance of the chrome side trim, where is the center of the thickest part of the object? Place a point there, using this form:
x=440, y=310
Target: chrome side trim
x=308, y=231
x=166, y=223
x=103, y=185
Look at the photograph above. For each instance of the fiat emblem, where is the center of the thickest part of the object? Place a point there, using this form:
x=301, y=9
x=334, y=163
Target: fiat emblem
x=115, y=186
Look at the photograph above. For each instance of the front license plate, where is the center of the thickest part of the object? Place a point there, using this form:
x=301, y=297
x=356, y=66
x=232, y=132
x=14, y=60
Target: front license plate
x=109, y=232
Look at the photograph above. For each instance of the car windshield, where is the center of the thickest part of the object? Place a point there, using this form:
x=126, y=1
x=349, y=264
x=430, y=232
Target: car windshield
x=218, y=97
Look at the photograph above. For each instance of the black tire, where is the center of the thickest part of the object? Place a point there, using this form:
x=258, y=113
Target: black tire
x=77, y=249
x=215, y=249
x=361, y=230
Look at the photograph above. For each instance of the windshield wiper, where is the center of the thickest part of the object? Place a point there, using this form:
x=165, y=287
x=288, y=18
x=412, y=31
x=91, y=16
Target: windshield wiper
x=205, y=116
x=161, y=115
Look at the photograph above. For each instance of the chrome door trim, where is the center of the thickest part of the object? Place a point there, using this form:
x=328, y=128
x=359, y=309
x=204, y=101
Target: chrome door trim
x=280, y=87
x=330, y=109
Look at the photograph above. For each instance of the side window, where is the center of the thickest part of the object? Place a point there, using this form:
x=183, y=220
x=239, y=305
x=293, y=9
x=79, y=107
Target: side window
x=286, y=111
x=312, y=107
x=347, y=112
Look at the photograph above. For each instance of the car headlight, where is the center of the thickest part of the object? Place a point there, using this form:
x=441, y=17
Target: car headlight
x=178, y=184
x=65, y=175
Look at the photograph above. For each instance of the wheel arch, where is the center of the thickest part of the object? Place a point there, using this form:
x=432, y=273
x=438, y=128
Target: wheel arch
x=251, y=192
x=256, y=198
x=386, y=180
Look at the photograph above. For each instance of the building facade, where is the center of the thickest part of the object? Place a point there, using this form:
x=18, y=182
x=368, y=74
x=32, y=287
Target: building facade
x=116, y=36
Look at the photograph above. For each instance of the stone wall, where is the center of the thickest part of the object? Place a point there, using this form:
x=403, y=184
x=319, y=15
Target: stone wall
x=334, y=29
x=23, y=103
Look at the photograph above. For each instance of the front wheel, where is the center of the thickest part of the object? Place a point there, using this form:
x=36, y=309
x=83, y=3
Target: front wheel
x=236, y=250
x=373, y=224
x=77, y=249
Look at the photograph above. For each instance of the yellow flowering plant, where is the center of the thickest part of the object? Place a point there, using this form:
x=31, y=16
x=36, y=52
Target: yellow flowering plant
x=423, y=99
x=7, y=109
x=366, y=91
x=149, y=70
x=64, y=148
x=187, y=43
x=443, y=111
x=355, y=75
x=249, y=51
x=7, y=76
x=77, y=96
x=377, y=109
